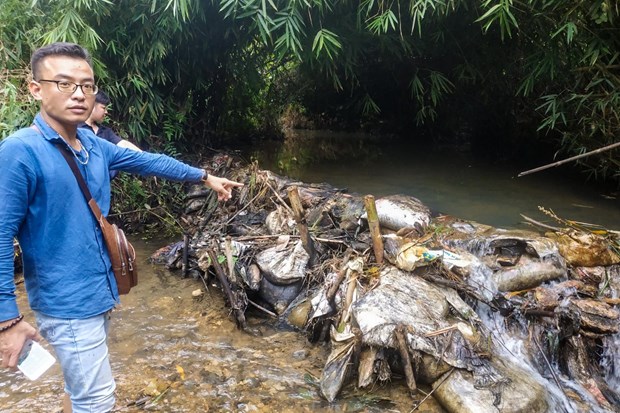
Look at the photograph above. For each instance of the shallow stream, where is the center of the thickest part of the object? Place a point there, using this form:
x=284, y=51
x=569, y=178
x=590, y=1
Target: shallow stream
x=448, y=181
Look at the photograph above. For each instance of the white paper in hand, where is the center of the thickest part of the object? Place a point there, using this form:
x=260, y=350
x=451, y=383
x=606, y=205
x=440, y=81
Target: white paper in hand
x=34, y=360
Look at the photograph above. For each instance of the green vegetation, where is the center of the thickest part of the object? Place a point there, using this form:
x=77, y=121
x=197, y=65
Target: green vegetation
x=185, y=74
x=517, y=72
x=149, y=206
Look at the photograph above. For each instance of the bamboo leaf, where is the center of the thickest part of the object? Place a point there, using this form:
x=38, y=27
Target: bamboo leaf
x=489, y=13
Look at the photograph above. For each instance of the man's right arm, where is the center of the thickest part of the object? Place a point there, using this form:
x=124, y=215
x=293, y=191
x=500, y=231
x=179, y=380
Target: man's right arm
x=14, y=193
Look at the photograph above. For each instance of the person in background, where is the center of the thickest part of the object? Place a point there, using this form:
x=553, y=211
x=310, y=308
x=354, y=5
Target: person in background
x=95, y=123
x=67, y=269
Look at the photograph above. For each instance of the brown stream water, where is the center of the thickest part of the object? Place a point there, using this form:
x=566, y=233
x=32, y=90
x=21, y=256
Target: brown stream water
x=448, y=181
x=163, y=338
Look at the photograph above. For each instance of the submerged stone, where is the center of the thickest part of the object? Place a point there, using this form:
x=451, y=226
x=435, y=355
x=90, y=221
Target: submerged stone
x=596, y=316
x=462, y=392
x=277, y=295
x=299, y=315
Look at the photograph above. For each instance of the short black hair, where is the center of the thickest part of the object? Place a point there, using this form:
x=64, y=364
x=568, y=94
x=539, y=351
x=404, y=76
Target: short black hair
x=57, y=49
x=102, y=98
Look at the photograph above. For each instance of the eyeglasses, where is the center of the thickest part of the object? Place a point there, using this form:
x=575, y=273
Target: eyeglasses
x=70, y=87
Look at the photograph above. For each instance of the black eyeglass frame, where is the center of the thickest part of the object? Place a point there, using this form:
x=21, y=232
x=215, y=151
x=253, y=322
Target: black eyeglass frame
x=75, y=86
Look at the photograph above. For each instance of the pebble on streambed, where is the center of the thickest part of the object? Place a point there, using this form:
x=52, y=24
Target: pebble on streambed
x=485, y=318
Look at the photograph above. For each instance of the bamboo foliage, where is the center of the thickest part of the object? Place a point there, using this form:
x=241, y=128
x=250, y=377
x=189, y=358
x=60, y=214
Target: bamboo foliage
x=558, y=57
x=575, y=73
x=164, y=62
x=205, y=66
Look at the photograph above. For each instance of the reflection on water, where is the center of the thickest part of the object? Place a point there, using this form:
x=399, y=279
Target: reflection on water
x=163, y=341
x=448, y=182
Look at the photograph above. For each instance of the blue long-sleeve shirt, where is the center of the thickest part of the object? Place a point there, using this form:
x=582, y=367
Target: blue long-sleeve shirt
x=67, y=270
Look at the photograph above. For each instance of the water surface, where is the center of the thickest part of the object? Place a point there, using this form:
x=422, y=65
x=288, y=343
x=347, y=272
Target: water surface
x=448, y=181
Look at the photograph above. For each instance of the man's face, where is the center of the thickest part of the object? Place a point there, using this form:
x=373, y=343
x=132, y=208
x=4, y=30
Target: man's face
x=60, y=109
x=99, y=113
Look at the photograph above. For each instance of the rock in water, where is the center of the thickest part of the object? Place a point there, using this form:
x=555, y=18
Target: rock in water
x=527, y=273
x=462, y=393
x=299, y=315
x=277, y=295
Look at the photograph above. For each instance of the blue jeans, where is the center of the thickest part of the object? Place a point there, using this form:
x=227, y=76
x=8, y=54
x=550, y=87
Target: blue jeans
x=81, y=347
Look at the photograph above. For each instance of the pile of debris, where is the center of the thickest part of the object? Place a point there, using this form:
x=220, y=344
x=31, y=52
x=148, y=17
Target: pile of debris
x=436, y=299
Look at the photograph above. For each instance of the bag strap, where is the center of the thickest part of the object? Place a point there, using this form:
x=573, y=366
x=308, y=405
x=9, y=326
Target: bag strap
x=64, y=151
x=74, y=168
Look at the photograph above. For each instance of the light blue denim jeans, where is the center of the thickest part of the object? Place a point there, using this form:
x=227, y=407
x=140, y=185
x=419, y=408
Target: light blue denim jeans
x=82, y=350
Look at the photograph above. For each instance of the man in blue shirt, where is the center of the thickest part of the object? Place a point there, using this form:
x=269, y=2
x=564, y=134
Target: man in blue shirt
x=67, y=270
